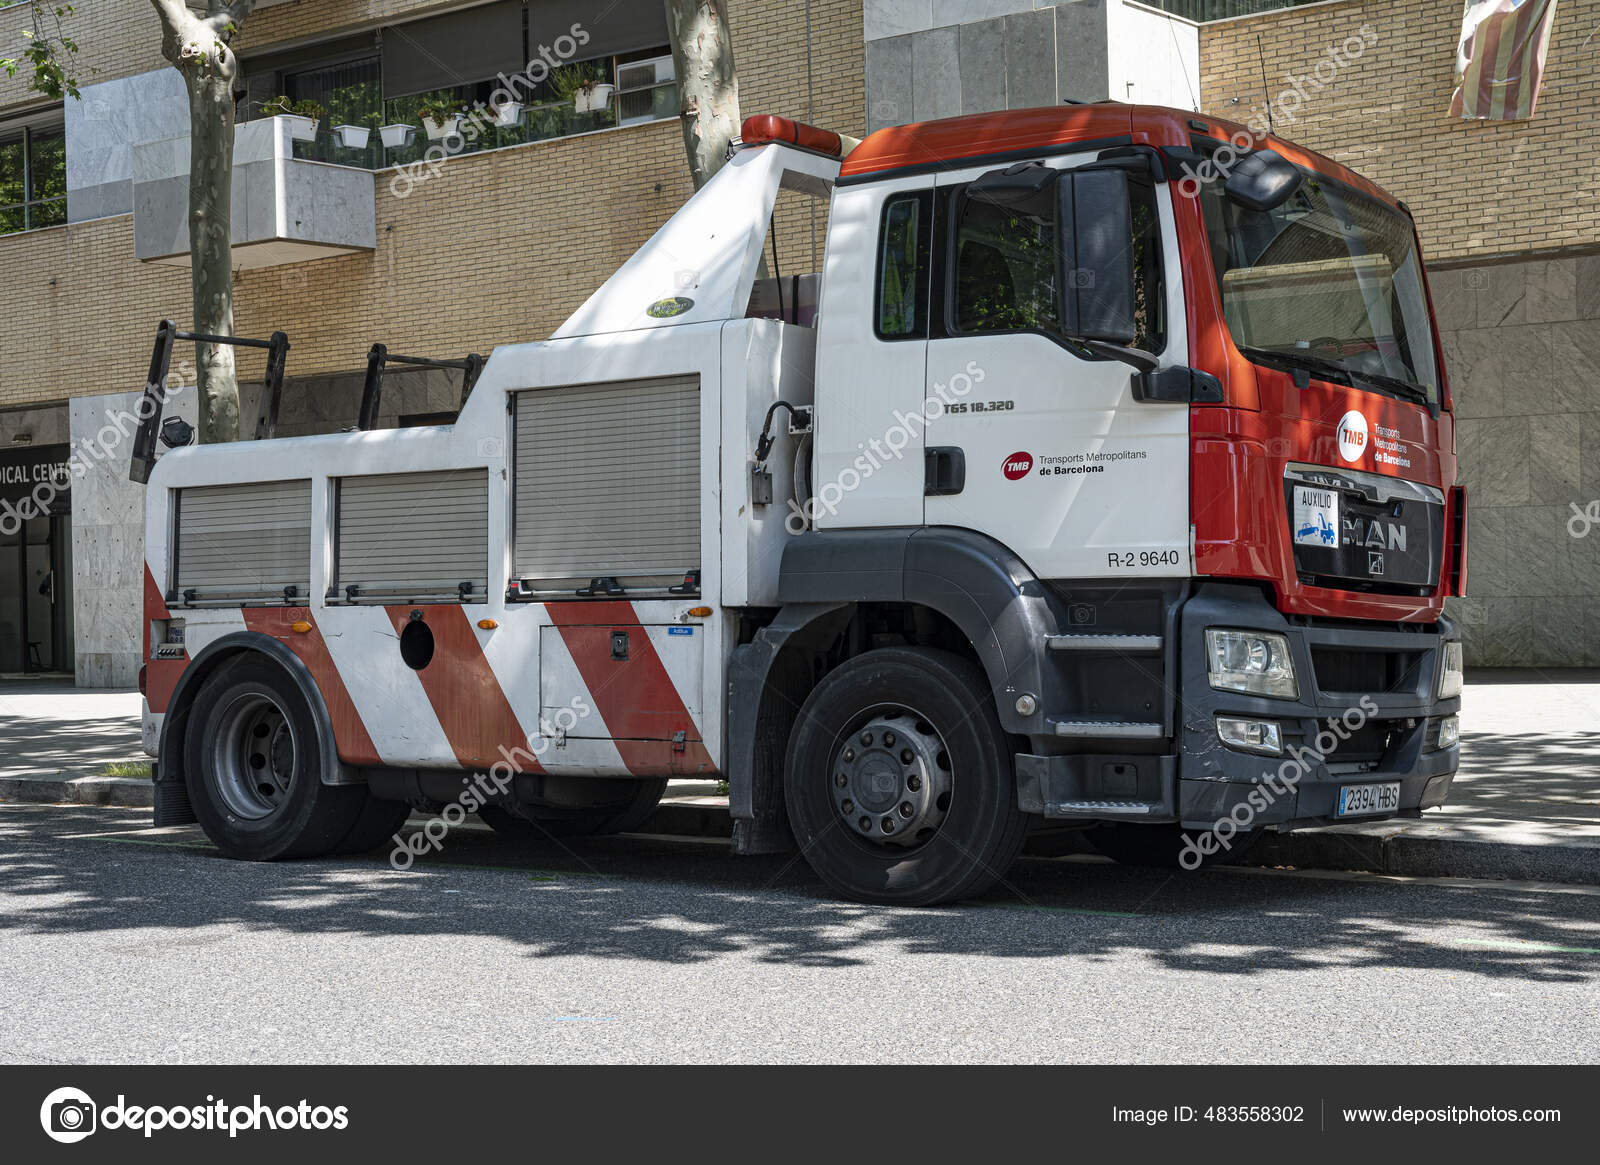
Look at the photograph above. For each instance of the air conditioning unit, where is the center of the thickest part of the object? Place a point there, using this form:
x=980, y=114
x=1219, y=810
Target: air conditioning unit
x=645, y=90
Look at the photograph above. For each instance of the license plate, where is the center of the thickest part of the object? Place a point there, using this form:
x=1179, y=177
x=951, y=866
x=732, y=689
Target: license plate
x=1316, y=517
x=1360, y=800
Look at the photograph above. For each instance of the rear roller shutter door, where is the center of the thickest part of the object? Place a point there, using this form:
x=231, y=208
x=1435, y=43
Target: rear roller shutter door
x=237, y=543
x=413, y=536
x=608, y=483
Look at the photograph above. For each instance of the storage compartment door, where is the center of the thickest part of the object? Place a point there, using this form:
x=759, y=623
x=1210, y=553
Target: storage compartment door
x=608, y=484
x=242, y=543
x=413, y=537
x=639, y=683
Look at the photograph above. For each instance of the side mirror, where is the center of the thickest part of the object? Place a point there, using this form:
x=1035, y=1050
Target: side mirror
x=1096, y=247
x=1262, y=180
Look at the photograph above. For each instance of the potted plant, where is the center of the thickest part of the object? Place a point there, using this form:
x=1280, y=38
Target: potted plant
x=302, y=116
x=397, y=136
x=507, y=115
x=592, y=97
x=441, y=118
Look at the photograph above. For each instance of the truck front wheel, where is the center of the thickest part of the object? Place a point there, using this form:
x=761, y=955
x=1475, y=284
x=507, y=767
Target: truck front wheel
x=900, y=786
x=254, y=770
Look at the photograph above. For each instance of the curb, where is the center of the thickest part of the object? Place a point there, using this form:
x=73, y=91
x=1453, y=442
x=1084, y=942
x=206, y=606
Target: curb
x=1398, y=853
x=65, y=789
x=1421, y=856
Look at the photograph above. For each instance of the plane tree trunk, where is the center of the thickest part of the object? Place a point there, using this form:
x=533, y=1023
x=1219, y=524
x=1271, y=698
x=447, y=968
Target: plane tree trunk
x=197, y=45
x=708, y=86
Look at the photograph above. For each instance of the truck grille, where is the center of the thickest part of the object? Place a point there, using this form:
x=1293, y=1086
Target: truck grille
x=1376, y=672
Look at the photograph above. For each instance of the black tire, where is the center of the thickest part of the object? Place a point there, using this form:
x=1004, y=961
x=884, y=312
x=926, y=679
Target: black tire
x=535, y=822
x=935, y=708
x=1163, y=847
x=380, y=820
x=253, y=768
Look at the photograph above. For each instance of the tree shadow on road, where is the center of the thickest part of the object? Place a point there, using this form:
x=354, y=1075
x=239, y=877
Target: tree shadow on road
x=678, y=902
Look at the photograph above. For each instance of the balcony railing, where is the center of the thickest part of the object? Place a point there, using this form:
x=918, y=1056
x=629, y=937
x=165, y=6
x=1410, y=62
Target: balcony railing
x=1201, y=11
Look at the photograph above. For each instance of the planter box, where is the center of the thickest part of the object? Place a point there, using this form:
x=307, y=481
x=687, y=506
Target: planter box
x=509, y=114
x=594, y=101
x=302, y=129
x=438, y=130
x=353, y=137
x=398, y=136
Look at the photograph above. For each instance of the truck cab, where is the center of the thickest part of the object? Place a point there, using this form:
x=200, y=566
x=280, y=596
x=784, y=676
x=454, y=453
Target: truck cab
x=1103, y=480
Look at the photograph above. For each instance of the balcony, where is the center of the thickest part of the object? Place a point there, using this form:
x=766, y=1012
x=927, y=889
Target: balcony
x=285, y=209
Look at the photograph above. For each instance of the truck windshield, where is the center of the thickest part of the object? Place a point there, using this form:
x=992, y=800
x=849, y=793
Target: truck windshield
x=1331, y=282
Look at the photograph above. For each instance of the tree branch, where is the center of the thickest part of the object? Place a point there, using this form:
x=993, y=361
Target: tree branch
x=225, y=13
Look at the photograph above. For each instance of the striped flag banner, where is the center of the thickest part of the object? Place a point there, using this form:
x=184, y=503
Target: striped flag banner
x=1500, y=58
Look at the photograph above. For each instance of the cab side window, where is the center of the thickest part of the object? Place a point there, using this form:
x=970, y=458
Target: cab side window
x=1005, y=268
x=903, y=249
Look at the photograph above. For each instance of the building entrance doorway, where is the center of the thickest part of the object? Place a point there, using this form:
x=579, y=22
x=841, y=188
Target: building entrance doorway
x=35, y=565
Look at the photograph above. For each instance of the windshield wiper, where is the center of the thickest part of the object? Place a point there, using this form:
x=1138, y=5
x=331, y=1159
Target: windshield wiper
x=1340, y=372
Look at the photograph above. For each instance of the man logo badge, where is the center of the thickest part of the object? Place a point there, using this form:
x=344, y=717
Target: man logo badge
x=1374, y=562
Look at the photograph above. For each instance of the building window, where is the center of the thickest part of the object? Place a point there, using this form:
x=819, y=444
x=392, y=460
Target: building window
x=618, y=73
x=33, y=178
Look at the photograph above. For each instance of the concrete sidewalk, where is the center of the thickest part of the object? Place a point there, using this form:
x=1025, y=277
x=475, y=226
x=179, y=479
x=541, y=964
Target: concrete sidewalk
x=1525, y=805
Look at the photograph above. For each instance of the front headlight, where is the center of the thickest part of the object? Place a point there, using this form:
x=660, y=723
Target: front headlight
x=1254, y=662
x=1451, y=678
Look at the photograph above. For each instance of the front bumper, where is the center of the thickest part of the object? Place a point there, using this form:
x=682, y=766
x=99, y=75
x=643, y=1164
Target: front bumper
x=1366, y=714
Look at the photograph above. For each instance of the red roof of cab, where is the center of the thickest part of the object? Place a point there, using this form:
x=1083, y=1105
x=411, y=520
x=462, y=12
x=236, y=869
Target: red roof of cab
x=952, y=139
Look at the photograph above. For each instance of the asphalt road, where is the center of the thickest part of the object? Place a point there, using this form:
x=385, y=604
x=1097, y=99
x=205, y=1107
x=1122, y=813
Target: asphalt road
x=123, y=944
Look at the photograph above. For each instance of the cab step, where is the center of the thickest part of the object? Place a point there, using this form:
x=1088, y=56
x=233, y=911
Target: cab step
x=1108, y=729
x=1102, y=809
x=1115, y=644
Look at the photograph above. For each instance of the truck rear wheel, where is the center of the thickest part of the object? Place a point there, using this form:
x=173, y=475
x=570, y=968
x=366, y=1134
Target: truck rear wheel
x=253, y=767
x=532, y=821
x=900, y=784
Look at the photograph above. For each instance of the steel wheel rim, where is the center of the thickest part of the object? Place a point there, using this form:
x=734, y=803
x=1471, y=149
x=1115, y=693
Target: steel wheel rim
x=891, y=779
x=253, y=756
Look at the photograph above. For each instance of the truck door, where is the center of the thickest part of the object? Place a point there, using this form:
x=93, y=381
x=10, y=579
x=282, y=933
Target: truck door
x=1030, y=439
x=872, y=346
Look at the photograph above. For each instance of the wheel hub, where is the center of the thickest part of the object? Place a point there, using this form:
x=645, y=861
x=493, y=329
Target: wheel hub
x=253, y=756
x=891, y=779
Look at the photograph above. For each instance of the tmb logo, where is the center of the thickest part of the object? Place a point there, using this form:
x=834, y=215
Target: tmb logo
x=1352, y=436
x=1016, y=466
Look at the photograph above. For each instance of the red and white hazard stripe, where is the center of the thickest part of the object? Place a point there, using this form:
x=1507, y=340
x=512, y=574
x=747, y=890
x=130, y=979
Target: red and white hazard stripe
x=539, y=691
